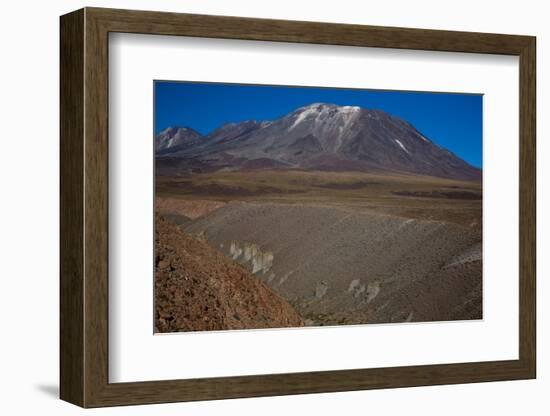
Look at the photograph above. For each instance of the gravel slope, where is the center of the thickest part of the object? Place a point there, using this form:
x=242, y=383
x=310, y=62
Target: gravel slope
x=339, y=266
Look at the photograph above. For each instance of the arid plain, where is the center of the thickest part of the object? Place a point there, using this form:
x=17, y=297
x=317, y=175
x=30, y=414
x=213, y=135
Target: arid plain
x=336, y=247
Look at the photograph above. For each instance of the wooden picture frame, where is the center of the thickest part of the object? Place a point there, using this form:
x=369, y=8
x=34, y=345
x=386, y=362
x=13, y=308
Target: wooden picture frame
x=84, y=207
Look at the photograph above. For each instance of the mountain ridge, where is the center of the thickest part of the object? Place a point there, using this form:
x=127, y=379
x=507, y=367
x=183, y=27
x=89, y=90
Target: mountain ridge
x=317, y=136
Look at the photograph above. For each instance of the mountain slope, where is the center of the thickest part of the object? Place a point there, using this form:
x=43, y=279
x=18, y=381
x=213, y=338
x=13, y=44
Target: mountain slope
x=197, y=288
x=176, y=138
x=319, y=137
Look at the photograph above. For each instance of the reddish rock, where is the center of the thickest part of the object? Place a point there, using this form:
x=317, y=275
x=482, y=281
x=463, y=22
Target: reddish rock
x=198, y=288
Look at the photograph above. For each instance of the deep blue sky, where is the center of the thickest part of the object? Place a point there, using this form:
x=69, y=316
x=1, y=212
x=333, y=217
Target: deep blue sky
x=454, y=121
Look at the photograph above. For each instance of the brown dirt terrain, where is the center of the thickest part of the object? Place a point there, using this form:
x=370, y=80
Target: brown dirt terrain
x=425, y=197
x=188, y=208
x=342, y=247
x=198, y=288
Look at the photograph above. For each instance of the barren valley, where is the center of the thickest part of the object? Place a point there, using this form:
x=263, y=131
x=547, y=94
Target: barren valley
x=342, y=248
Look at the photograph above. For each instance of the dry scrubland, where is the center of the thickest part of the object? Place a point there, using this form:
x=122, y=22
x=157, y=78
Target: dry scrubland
x=337, y=247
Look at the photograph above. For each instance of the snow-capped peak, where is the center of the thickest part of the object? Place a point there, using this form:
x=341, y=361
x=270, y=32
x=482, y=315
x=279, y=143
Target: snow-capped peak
x=329, y=106
x=304, y=114
x=322, y=111
x=350, y=108
x=315, y=106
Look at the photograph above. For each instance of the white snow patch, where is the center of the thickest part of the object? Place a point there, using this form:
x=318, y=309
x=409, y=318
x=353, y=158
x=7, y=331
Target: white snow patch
x=423, y=138
x=324, y=118
x=402, y=146
x=349, y=109
x=303, y=115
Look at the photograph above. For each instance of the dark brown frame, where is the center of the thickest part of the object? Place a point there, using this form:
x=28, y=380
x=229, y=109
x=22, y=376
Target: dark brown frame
x=84, y=212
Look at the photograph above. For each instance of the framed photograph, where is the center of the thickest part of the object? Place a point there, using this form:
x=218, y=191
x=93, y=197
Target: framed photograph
x=260, y=207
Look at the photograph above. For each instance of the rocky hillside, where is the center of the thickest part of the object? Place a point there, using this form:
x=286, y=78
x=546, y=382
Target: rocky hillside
x=175, y=138
x=198, y=288
x=341, y=266
x=315, y=137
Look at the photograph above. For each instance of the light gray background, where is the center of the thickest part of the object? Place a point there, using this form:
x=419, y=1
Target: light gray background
x=29, y=210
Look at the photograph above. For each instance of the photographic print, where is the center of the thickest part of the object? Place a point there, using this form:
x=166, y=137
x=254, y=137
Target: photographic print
x=294, y=206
